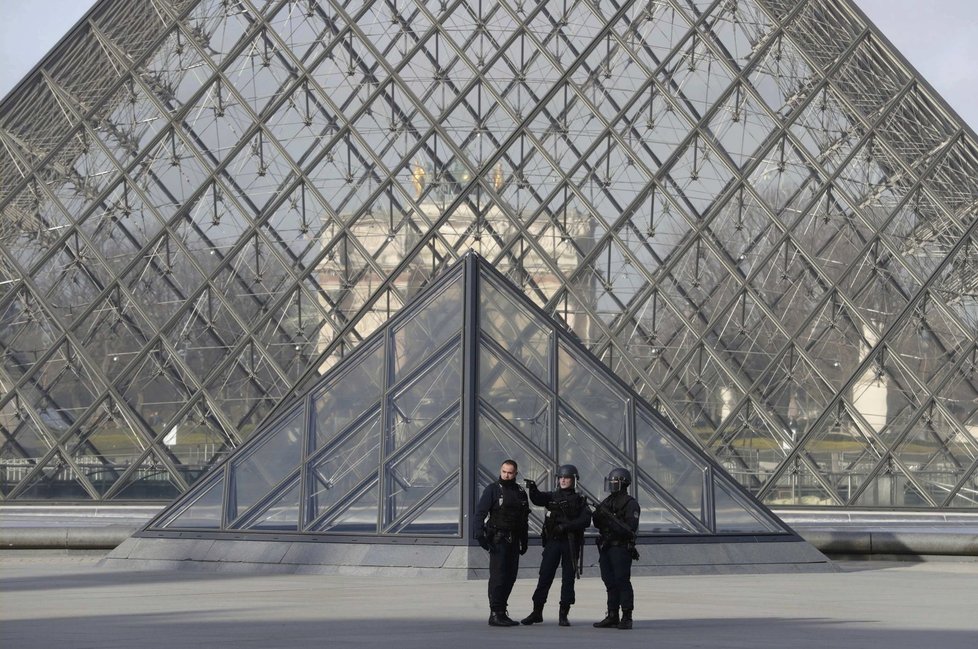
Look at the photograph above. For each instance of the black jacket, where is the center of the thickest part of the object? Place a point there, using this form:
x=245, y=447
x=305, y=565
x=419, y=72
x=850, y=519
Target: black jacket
x=503, y=506
x=567, y=512
x=618, y=506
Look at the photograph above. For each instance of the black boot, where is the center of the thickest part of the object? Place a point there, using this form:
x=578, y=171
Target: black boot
x=562, y=615
x=610, y=621
x=626, y=619
x=535, y=616
x=499, y=618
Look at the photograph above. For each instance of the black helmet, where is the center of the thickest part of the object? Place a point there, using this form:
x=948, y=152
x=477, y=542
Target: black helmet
x=567, y=471
x=618, y=479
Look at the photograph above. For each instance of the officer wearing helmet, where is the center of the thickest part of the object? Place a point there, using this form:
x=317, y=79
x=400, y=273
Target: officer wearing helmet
x=616, y=518
x=563, y=541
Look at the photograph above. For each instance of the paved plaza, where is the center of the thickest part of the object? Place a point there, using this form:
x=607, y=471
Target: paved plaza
x=67, y=601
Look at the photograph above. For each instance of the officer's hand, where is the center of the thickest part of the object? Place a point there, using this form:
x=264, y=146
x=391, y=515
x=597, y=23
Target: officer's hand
x=523, y=549
x=529, y=484
x=561, y=529
x=483, y=541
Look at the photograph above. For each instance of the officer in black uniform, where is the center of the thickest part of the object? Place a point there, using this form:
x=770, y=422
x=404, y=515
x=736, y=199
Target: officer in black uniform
x=563, y=538
x=616, y=518
x=501, y=528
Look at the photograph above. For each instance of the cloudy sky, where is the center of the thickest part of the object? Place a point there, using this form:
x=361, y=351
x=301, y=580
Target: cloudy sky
x=936, y=36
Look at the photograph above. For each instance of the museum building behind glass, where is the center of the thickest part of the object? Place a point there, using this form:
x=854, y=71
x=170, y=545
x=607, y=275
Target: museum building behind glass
x=753, y=212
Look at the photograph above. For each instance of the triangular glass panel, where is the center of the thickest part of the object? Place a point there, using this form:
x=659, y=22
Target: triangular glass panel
x=344, y=467
x=282, y=515
x=347, y=396
x=358, y=516
x=515, y=397
x=670, y=464
x=432, y=324
x=733, y=514
x=273, y=457
x=656, y=518
x=206, y=511
x=425, y=398
x=510, y=325
x=420, y=468
x=441, y=516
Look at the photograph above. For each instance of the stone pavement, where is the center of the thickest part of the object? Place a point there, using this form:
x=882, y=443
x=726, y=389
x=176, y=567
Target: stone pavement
x=58, y=600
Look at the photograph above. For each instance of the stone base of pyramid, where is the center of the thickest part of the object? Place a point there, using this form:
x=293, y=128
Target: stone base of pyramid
x=449, y=561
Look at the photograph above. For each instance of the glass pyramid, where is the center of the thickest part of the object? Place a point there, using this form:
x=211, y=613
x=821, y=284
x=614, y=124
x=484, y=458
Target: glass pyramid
x=400, y=437
x=754, y=212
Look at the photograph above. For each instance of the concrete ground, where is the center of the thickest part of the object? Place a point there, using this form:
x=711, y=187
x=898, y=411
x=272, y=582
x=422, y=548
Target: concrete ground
x=67, y=601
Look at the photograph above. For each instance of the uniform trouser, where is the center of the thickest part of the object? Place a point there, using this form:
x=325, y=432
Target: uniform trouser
x=504, y=563
x=616, y=573
x=556, y=552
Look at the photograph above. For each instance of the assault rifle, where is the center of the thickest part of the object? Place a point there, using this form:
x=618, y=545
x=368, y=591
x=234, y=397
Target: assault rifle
x=620, y=526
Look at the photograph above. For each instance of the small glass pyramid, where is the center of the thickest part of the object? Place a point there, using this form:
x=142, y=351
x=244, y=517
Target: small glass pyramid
x=400, y=437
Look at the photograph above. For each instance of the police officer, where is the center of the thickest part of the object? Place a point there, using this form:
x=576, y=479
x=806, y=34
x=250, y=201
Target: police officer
x=563, y=538
x=616, y=518
x=501, y=529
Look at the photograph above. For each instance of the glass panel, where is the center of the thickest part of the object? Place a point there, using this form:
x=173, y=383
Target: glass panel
x=733, y=517
x=419, y=404
x=413, y=477
x=151, y=481
x=522, y=335
x=205, y=512
x=668, y=465
x=593, y=459
x=656, y=518
x=343, y=468
x=592, y=397
x=283, y=514
x=426, y=330
x=57, y=480
x=442, y=517
x=495, y=444
x=515, y=399
x=254, y=475
x=349, y=395
x=359, y=517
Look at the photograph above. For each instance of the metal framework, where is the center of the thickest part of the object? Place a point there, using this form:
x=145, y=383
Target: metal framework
x=753, y=211
x=393, y=442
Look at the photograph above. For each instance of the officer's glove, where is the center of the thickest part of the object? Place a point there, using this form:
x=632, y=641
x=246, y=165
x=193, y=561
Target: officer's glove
x=529, y=484
x=523, y=548
x=483, y=541
x=560, y=529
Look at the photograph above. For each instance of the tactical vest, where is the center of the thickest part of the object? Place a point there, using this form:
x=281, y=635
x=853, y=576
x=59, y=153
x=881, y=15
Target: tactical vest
x=510, y=509
x=565, y=508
